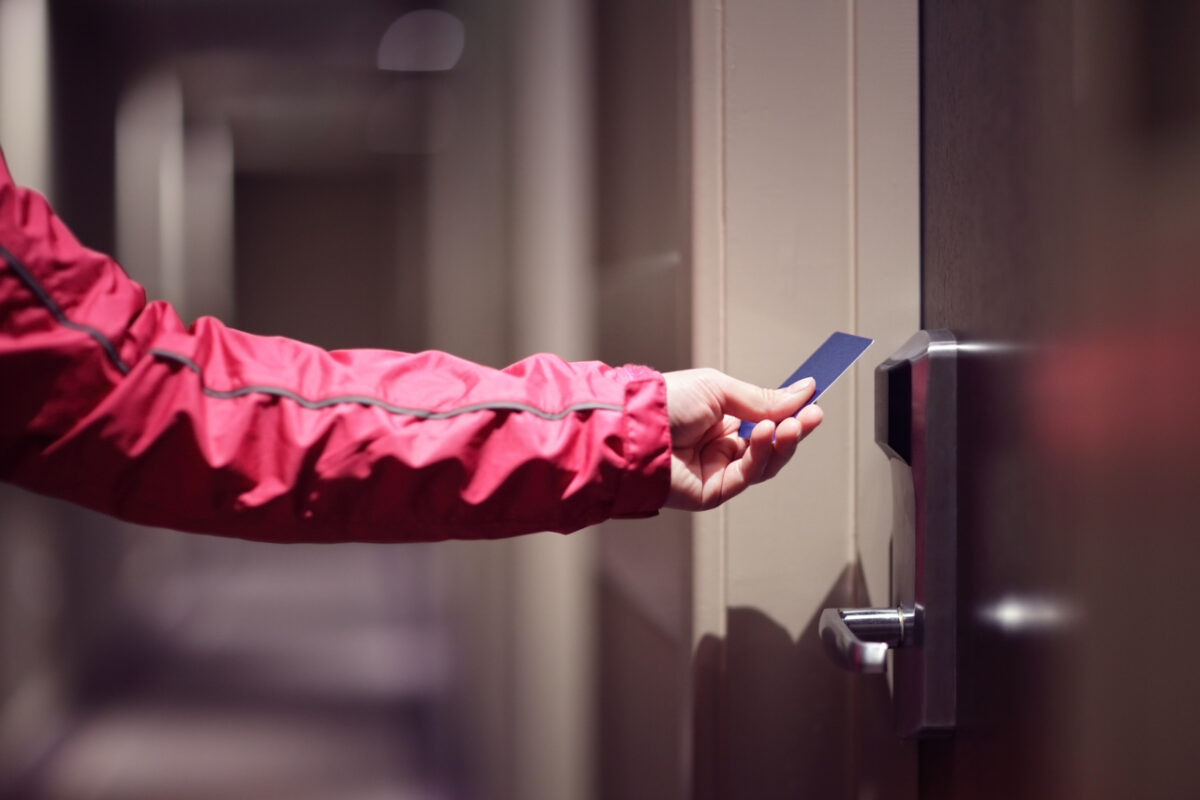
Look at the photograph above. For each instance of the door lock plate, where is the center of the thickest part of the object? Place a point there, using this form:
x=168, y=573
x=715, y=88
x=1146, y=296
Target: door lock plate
x=916, y=424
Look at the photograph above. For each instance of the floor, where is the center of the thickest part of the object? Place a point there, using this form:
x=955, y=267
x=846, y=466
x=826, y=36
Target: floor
x=300, y=672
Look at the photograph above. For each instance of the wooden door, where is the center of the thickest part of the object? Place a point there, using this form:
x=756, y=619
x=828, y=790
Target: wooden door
x=1061, y=240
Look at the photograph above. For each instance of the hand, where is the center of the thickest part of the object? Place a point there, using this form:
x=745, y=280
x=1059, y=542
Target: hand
x=710, y=463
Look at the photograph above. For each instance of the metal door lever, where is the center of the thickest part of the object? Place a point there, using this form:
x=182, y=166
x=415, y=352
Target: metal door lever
x=858, y=638
x=916, y=424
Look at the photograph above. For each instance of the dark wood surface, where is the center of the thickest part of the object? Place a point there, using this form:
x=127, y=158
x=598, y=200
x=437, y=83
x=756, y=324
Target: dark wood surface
x=1057, y=156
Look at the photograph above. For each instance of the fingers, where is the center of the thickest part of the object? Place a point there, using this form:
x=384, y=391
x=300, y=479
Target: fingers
x=770, y=448
x=747, y=401
x=787, y=435
x=810, y=418
x=757, y=457
x=776, y=450
x=732, y=477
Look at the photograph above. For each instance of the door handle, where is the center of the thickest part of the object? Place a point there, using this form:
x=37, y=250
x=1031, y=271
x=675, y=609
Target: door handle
x=916, y=424
x=858, y=638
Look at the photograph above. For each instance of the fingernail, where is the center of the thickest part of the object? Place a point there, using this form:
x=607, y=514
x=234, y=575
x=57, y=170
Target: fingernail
x=801, y=385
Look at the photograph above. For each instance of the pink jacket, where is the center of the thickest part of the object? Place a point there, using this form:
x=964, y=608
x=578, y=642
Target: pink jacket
x=111, y=402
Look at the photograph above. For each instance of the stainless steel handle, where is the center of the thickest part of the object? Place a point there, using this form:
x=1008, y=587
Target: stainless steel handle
x=858, y=639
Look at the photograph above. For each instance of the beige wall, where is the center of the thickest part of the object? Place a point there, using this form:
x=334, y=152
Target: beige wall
x=805, y=221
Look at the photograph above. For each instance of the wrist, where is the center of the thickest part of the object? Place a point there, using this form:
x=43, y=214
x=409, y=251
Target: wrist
x=646, y=478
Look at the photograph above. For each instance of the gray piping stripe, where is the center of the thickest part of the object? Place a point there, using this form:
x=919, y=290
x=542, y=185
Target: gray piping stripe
x=53, y=307
x=44, y=297
x=372, y=401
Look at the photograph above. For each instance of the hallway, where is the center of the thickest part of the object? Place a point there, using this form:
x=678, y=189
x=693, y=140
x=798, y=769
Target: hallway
x=301, y=672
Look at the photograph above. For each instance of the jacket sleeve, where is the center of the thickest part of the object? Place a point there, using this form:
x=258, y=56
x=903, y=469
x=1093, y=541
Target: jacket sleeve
x=111, y=402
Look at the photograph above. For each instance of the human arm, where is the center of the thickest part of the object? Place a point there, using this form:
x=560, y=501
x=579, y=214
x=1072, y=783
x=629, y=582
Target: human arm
x=111, y=402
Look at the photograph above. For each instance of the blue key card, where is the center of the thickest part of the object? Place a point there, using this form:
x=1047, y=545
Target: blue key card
x=824, y=366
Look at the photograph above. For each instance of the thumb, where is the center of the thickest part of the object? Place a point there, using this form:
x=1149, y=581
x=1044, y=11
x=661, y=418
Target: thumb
x=750, y=402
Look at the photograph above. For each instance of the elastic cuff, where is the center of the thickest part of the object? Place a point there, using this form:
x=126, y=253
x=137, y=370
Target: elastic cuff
x=647, y=475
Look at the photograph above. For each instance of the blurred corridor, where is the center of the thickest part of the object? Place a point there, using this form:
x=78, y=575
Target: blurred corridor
x=490, y=179
x=303, y=672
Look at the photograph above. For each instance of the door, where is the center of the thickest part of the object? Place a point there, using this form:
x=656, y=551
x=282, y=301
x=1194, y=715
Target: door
x=1061, y=239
